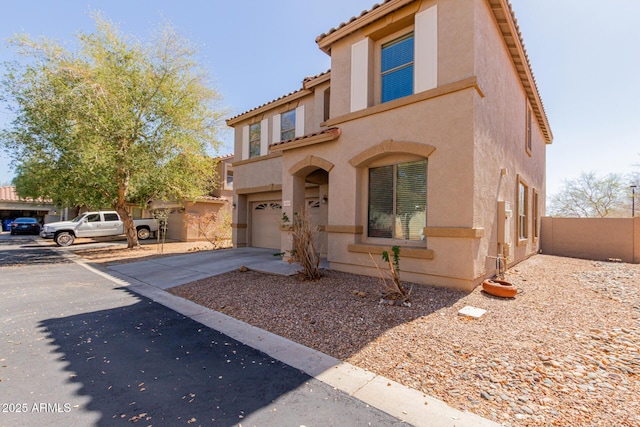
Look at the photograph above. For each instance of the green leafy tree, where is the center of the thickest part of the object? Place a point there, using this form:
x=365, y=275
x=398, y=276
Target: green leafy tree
x=591, y=196
x=118, y=121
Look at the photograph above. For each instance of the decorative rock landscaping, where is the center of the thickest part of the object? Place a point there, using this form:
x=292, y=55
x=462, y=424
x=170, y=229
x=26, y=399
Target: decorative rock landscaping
x=565, y=352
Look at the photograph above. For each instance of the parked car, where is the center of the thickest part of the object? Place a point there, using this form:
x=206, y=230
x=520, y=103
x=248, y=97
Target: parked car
x=25, y=226
x=95, y=224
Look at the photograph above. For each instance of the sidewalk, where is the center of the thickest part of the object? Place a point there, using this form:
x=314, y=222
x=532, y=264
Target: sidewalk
x=150, y=278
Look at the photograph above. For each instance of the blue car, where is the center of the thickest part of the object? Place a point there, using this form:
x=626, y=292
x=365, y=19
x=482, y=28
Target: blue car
x=25, y=226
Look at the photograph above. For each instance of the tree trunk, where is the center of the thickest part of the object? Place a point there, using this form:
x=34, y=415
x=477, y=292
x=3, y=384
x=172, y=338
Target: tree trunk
x=129, y=227
x=121, y=207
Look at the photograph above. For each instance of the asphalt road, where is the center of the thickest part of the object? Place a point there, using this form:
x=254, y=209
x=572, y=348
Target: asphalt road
x=77, y=349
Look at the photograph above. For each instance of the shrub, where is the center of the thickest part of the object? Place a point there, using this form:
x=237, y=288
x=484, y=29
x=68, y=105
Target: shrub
x=215, y=227
x=393, y=289
x=303, y=238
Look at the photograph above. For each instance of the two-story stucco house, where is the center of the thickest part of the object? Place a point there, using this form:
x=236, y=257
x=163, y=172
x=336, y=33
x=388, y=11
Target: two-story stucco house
x=428, y=133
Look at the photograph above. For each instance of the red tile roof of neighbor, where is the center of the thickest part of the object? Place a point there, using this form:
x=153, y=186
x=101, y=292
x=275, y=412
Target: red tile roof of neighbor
x=8, y=194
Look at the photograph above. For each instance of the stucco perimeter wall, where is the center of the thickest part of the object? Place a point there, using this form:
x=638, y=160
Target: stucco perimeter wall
x=181, y=225
x=592, y=238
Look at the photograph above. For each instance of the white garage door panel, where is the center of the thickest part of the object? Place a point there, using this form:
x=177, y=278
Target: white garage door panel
x=265, y=225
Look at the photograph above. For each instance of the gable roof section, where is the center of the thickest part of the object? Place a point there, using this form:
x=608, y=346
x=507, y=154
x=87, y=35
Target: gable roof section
x=307, y=84
x=507, y=23
x=325, y=135
x=8, y=194
x=293, y=96
x=325, y=40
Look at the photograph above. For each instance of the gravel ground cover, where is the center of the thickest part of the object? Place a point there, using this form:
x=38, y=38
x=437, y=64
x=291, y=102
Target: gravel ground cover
x=565, y=351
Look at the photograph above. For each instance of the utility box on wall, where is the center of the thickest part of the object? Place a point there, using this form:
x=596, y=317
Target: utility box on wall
x=504, y=228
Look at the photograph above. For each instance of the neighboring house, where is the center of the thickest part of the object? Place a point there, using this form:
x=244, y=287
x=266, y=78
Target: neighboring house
x=13, y=206
x=428, y=133
x=181, y=220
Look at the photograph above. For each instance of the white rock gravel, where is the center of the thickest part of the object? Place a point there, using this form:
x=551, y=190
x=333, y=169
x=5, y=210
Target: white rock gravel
x=565, y=351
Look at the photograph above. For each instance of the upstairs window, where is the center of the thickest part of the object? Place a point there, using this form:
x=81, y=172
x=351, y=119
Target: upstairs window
x=397, y=68
x=288, y=125
x=254, y=140
x=523, y=208
x=398, y=201
x=228, y=185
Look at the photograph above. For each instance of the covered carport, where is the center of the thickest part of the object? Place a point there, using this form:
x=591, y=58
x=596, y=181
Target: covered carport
x=12, y=206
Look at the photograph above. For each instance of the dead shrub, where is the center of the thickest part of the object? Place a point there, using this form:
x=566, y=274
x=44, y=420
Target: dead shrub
x=304, y=251
x=215, y=227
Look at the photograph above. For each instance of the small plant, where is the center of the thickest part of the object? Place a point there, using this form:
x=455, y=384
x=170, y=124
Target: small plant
x=392, y=289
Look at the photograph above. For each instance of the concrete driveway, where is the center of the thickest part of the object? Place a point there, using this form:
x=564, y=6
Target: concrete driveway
x=167, y=272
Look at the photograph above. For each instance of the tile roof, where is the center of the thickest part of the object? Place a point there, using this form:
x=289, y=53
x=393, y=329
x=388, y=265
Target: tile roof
x=321, y=136
x=353, y=18
x=309, y=79
x=508, y=25
x=306, y=83
x=8, y=194
x=293, y=94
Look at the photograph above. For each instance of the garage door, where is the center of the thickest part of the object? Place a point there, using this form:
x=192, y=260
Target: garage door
x=265, y=225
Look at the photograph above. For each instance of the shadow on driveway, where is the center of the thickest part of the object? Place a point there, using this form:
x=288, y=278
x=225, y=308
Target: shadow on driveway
x=144, y=362
x=24, y=251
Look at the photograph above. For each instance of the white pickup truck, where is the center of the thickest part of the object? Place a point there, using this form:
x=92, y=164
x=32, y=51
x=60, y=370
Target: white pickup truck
x=94, y=224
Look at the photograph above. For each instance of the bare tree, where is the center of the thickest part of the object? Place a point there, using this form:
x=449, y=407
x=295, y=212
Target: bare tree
x=590, y=196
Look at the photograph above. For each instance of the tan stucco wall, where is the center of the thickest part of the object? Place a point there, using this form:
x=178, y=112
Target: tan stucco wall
x=500, y=141
x=181, y=228
x=592, y=238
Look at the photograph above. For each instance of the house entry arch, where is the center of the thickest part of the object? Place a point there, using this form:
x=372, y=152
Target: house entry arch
x=307, y=175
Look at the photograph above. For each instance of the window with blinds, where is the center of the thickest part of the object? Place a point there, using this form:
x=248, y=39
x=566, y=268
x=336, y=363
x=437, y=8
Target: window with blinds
x=397, y=59
x=398, y=201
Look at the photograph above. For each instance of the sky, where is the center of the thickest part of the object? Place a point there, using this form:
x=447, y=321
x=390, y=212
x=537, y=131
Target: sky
x=583, y=53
